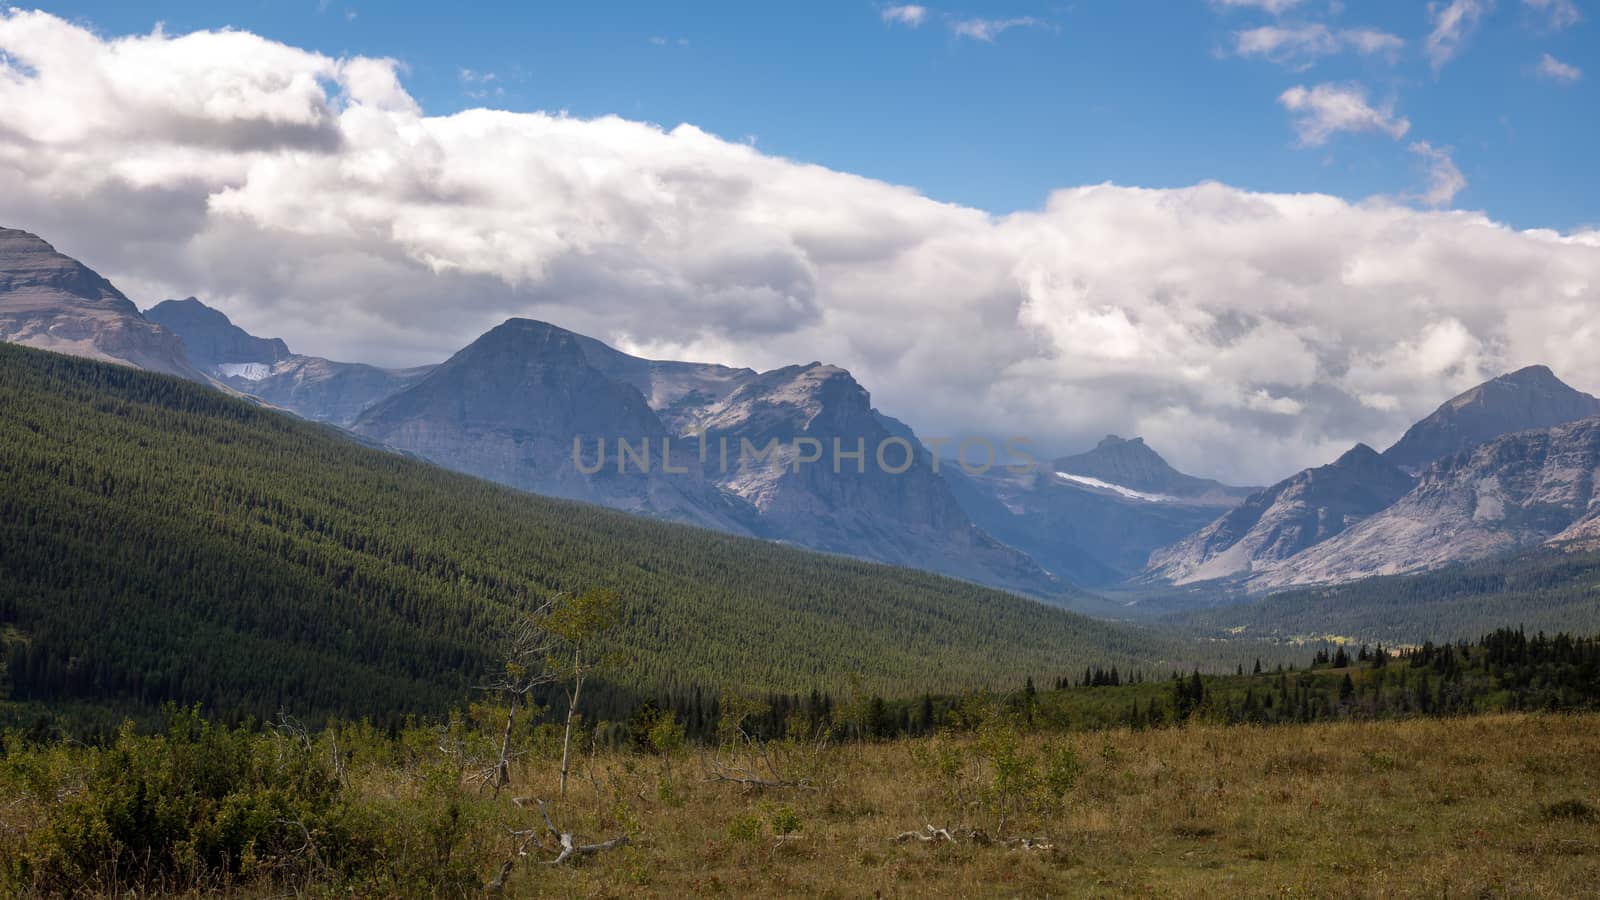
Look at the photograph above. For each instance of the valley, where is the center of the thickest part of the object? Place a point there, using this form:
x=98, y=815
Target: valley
x=1025, y=450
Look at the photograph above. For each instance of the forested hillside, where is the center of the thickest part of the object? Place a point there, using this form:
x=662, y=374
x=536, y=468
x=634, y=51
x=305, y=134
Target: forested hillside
x=162, y=541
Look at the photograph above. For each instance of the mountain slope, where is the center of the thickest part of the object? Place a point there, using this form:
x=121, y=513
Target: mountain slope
x=1285, y=519
x=509, y=407
x=898, y=510
x=1517, y=401
x=162, y=541
x=309, y=386
x=54, y=302
x=1513, y=492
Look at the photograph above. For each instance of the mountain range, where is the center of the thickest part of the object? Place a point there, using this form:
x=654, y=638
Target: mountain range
x=1513, y=467
x=799, y=454
x=309, y=386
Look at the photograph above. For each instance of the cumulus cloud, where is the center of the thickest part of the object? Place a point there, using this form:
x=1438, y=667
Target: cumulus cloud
x=1445, y=180
x=1453, y=23
x=987, y=30
x=1556, y=70
x=908, y=14
x=1327, y=109
x=1244, y=334
x=1300, y=45
x=1556, y=14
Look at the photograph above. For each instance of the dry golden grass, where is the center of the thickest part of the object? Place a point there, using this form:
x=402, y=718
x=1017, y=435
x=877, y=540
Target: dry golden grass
x=1436, y=808
x=1501, y=805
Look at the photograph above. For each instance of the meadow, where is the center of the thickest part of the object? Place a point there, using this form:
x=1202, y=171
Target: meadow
x=1485, y=805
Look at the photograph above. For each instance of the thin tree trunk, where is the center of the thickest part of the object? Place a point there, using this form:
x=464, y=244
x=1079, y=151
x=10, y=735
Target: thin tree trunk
x=566, y=742
x=503, y=774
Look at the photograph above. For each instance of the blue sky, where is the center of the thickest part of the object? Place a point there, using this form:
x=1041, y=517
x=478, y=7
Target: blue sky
x=1136, y=92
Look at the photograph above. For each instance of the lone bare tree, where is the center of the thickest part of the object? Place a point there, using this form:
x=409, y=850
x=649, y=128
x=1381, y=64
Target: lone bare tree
x=526, y=669
x=557, y=643
x=554, y=643
x=575, y=625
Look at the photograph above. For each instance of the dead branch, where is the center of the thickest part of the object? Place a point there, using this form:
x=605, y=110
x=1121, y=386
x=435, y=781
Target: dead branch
x=570, y=847
x=929, y=835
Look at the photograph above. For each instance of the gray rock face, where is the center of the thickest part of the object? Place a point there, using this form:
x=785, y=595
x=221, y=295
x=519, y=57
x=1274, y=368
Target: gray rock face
x=1518, y=401
x=1285, y=519
x=53, y=302
x=840, y=503
x=508, y=408
x=1093, y=518
x=678, y=391
x=311, y=387
x=1512, y=492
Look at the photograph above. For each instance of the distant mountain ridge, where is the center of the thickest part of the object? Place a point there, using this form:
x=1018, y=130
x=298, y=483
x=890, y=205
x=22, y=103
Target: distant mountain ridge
x=1280, y=521
x=1529, y=398
x=309, y=386
x=1514, y=492
x=1485, y=491
x=210, y=338
x=509, y=407
x=1132, y=464
x=1094, y=517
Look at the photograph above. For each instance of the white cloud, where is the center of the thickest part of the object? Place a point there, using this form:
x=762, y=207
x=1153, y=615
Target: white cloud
x=1244, y=334
x=1327, y=109
x=987, y=30
x=1300, y=45
x=1371, y=41
x=1556, y=70
x=1445, y=180
x=1557, y=14
x=908, y=14
x=1453, y=23
x=1275, y=7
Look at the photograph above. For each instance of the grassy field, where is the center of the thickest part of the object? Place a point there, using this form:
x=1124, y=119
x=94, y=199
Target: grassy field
x=1495, y=805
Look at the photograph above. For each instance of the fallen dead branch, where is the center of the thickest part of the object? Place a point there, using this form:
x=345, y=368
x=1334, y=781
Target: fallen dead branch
x=567, y=846
x=929, y=835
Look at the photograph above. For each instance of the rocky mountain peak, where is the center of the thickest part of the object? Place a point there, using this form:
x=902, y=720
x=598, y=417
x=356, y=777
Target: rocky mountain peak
x=30, y=268
x=1131, y=463
x=53, y=302
x=1529, y=398
x=211, y=337
x=1507, y=494
x=1299, y=512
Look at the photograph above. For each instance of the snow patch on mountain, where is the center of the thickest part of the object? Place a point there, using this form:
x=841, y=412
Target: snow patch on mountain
x=247, y=371
x=1128, y=492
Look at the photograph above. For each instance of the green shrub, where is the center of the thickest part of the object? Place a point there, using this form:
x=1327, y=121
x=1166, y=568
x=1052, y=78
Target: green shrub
x=1575, y=810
